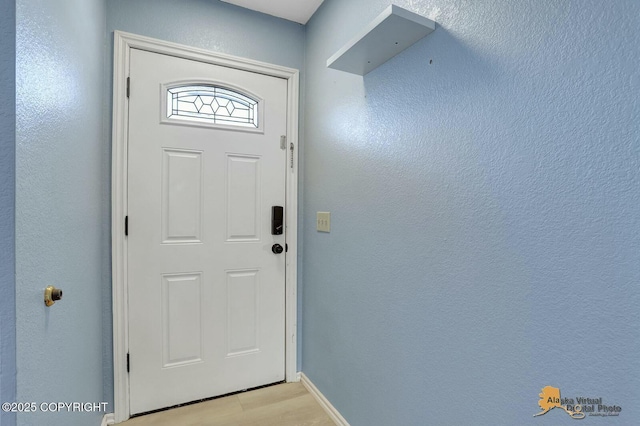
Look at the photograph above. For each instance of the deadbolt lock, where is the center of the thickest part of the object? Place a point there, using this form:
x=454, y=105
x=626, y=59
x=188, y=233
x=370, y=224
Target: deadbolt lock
x=51, y=294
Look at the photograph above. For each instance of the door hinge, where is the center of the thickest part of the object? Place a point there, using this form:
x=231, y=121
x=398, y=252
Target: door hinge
x=283, y=142
x=126, y=225
x=128, y=364
x=128, y=86
x=291, y=148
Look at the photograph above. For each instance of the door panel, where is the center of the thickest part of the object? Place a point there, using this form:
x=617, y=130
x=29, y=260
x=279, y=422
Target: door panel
x=243, y=198
x=182, y=327
x=206, y=293
x=243, y=303
x=182, y=184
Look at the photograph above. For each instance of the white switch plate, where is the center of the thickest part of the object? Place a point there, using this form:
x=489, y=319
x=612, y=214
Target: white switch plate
x=323, y=221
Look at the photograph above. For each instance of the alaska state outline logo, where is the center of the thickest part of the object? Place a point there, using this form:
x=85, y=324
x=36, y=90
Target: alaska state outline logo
x=550, y=399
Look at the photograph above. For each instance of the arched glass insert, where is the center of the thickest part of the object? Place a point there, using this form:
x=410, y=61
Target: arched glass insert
x=212, y=104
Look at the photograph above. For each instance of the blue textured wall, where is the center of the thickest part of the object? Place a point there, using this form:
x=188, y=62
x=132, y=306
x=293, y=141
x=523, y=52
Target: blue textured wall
x=212, y=25
x=62, y=227
x=7, y=207
x=485, y=214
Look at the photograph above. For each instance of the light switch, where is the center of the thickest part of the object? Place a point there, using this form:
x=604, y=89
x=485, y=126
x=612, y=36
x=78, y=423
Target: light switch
x=323, y=221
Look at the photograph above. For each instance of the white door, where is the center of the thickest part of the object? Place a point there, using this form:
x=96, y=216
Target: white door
x=206, y=291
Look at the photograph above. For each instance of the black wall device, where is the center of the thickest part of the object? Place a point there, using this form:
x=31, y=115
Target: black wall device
x=277, y=226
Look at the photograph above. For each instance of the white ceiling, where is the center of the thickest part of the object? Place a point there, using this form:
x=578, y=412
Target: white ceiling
x=293, y=10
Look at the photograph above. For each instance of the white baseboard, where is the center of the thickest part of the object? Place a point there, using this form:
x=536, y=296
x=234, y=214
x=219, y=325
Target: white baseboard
x=323, y=401
x=108, y=419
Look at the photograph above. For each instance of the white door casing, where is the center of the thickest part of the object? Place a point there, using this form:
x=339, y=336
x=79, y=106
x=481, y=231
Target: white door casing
x=189, y=277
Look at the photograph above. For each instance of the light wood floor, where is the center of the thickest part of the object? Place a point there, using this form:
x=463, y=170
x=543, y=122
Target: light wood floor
x=288, y=404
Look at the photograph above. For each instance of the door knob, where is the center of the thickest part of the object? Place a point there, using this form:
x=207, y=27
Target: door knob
x=51, y=294
x=277, y=249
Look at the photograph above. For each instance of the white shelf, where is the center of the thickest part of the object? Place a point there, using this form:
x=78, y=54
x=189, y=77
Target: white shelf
x=389, y=34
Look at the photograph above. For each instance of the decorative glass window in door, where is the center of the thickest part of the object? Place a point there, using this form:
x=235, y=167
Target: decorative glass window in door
x=212, y=104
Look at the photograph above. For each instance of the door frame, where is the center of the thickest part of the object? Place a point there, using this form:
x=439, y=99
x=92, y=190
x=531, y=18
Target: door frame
x=123, y=43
